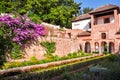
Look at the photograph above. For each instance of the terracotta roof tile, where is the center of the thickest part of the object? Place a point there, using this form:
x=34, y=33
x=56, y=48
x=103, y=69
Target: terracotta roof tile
x=82, y=17
x=104, y=8
x=84, y=33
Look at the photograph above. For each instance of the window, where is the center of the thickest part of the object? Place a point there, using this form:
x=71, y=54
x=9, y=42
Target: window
x=103, y=35
x=107, y=20
x=90, y=25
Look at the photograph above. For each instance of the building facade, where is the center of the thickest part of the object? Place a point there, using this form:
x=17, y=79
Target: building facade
x=101, y=30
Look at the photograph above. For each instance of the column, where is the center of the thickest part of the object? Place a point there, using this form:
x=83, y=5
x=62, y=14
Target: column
x=92, y=20
x=116, y=17
x=100, y=48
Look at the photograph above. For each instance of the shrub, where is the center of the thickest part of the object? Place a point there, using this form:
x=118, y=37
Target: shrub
x=49, y=46
x=112, y=57
x=82, y=53
x=96, y=52
x=72, y=55
x=16, y=52
x=67, y=76
x=105, y=52
x=33, y=58
x=11, y=65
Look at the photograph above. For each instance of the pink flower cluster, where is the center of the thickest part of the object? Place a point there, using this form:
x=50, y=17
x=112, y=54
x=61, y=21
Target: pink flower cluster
x=21, y=31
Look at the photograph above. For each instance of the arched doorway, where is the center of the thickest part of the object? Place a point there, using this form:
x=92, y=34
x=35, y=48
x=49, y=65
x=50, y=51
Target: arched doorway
x=96, y=47
x=111, y=47
x=104, y=47
x=87, y=47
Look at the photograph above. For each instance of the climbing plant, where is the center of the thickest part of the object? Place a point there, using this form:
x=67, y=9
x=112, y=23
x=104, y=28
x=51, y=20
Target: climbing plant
x=49, y=46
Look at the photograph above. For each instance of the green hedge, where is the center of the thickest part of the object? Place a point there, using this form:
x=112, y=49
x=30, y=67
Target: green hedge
x=49, y=46
x=56, y=71
x=49, y=58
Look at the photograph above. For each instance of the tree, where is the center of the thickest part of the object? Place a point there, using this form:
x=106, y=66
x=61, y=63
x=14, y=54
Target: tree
x=87, y=10
x=59, y=12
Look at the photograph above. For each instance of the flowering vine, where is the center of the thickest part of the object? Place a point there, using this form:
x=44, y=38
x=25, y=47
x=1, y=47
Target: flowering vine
x=19, y=30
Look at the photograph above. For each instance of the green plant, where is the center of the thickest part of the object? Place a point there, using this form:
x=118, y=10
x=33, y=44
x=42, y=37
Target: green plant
x=16, y=52
x=105, y=52
x=112, y=57
x=72, y=55
x=96, y=52
x=82, y=53
x=33, y=58
x=50, y=72
x=67, y=76
x=49, y=46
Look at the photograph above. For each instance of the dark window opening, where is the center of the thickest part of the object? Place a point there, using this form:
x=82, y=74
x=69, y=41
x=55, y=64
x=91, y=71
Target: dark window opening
x=69, y=34
x=103, y=35
x=90, y=25
x=107, y=20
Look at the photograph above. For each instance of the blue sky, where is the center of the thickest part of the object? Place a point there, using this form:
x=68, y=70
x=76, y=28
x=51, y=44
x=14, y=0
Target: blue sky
x=97, y=3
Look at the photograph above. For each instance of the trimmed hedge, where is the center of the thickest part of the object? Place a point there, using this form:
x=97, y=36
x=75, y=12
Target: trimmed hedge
x=49, y=58
x=56, y=71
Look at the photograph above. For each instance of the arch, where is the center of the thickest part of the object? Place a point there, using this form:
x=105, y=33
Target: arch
x=103, y=35
x=104, y=46
x=96, y=47
x=87, y=47
x=111, y=47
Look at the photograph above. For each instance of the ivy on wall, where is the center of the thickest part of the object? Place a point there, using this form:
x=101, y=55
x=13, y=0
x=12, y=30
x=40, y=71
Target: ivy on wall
x=49, y=46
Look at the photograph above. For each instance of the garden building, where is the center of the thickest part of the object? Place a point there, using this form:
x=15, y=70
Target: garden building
x=101, y=30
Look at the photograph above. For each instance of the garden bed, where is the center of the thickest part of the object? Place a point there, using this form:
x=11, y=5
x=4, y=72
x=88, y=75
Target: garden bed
x=49, y=69
x=108, y=69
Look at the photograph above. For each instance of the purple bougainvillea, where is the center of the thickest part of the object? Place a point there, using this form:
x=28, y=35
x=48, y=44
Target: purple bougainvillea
x=21, y=31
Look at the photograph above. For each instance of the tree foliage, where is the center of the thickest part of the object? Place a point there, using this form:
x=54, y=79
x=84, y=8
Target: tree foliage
x=87, y=10
x=59, y=12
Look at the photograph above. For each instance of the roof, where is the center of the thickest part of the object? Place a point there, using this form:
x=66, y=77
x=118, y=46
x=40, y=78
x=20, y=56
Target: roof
x=104, y=8
x=82, y=17
x=99, y=9
x=74, y=31
x=84, y=33
x=50, y=25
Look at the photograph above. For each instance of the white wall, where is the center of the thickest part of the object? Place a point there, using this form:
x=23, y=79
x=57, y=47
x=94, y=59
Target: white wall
x=83, y=24
x=112, y=19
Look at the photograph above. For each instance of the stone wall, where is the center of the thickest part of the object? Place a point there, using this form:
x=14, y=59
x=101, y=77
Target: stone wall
x=63, y=47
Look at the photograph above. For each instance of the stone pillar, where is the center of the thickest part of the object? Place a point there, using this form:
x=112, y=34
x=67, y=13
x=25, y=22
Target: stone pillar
x=100, y=48
x=92, y=20
x=116, y=17
x=107, y=46
x=92, y=24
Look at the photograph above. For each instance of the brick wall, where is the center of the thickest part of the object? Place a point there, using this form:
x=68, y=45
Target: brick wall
x=63, y=47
